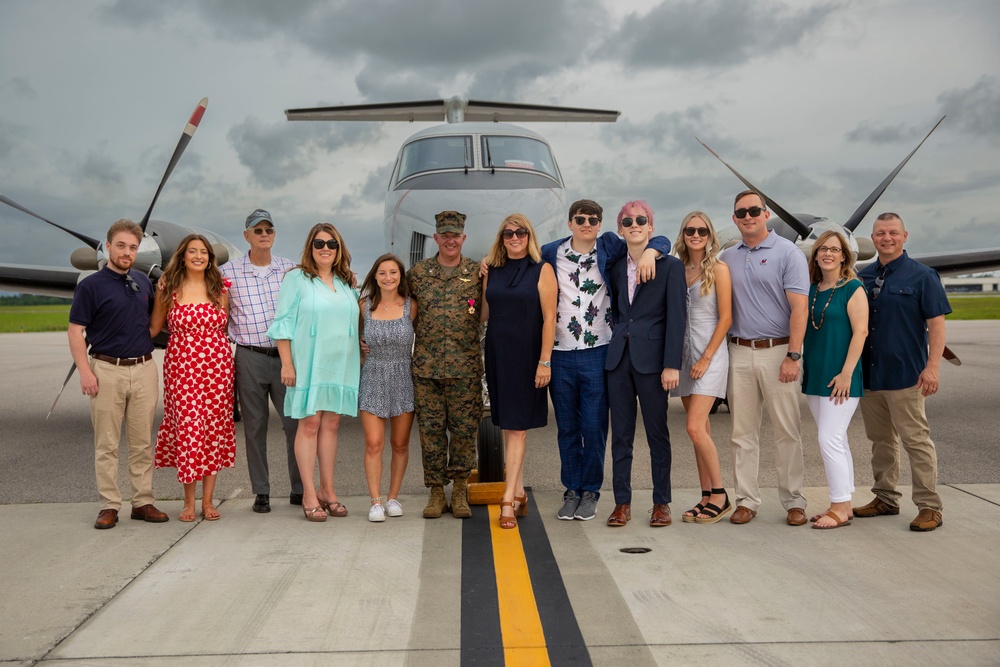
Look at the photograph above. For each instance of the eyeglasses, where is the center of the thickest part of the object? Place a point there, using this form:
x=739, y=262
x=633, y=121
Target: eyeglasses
x=131, y=286
x=263, y=230
x=830, y=249
x=640, y=220
x=879, y=281
x=754, y=211
x=582, y=220
x=332, y=244
x=700, y=231
x=508, y=234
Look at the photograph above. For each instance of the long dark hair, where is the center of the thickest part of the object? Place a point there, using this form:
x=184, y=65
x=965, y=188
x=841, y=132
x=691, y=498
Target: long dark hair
x=370, y=288
x=176, y=273
x=341, y=265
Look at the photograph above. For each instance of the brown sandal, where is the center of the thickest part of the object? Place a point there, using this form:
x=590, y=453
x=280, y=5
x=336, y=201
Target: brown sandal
x=522, y=508
x=315, y=514
x=507, y=522
x=833, y=515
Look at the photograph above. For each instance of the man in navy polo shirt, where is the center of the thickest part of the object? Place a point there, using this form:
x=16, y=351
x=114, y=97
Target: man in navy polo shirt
x=900, y=365
x=118, y=374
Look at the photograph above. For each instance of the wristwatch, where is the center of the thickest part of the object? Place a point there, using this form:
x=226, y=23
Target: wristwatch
x=794, y=356
x=547, y=364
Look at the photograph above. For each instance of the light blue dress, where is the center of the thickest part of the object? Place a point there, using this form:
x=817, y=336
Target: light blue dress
x=322, y=325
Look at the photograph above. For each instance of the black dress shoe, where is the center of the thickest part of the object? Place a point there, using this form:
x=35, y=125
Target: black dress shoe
x=295, y=499
x=262, y=504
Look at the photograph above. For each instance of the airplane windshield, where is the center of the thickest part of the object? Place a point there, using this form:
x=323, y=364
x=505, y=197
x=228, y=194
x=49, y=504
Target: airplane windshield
x=454, y=152
x=507, y=152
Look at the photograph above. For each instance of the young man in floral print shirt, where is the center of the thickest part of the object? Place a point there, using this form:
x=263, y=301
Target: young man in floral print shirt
x=583, y=330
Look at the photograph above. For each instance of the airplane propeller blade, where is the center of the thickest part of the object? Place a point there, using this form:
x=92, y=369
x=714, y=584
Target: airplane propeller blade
x=859, y=215
x=801, y=228
x=72, y=369
x=185, y=139
x=91, y=242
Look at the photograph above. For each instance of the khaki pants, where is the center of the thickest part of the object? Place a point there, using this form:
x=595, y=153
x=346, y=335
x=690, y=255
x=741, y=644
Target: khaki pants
x=753, y=383
x=129, y=394
x=891, y=417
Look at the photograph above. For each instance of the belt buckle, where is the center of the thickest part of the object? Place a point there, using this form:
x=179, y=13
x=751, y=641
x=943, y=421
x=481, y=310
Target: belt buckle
x=753, y=343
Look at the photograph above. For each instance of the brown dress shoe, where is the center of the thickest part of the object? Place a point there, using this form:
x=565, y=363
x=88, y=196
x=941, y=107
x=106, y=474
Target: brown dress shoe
x=877, y=507
x=927, y=520
x=742, y=515
x=796, y=517
x=106, y=519
x=621, y=515
x=150, y=514
x=661, y=516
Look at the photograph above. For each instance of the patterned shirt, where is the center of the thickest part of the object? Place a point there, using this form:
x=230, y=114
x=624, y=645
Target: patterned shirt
x=583, y=317
x=252, y=298
x=632, y=273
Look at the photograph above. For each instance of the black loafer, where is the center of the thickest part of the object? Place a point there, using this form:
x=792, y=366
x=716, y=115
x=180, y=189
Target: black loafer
x=295, y=499
x=262, y=504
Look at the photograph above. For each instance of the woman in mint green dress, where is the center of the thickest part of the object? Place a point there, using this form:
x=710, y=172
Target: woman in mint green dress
x=316, y=329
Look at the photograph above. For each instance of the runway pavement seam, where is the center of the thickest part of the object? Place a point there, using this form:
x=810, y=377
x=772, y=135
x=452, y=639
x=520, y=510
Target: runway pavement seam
x=110, y=598
x=978, y=497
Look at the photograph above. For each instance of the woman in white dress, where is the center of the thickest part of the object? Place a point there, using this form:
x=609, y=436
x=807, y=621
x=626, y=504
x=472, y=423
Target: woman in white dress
x=705, y=362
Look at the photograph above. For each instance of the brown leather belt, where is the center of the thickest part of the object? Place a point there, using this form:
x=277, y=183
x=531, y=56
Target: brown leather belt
x=128, y=361
x=269, y=351
x=758, y=343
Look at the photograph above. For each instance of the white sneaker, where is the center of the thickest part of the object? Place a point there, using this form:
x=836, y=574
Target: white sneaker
x=393, y=508
x=376, y=513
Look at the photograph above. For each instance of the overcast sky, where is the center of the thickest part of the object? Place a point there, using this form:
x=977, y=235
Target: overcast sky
x=815, y=102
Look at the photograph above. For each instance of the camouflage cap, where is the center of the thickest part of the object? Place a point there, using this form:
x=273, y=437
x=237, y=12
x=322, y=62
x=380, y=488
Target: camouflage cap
x=260, y=215
x=450, y=222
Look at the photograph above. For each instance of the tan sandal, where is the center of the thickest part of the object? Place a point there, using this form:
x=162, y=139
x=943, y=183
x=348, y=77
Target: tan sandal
x=522, y=508
x=507, y=522
x=833, y=515
x=315, y=514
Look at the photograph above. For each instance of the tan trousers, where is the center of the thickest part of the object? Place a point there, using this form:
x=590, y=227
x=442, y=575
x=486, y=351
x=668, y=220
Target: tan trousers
x=129, y=394
x=891, y=417
x=753, y=383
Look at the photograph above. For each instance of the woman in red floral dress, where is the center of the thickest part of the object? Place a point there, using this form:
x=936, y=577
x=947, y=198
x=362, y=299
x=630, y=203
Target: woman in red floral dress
x=197, y=435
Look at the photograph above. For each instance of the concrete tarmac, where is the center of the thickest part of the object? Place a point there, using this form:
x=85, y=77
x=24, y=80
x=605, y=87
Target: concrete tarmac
x=271, y=589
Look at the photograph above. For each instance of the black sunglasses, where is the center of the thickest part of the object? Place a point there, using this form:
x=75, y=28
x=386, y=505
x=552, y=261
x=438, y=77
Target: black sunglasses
x=754, y=211
x=700, y=231
x=332, y=244
x=582, y=220
x=640, y=220
x=508, y=234
x=879, y=281
x=130, y=283
x=263, y=230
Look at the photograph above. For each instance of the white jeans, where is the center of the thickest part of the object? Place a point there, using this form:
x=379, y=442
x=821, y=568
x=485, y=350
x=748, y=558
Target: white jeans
x=832, y=421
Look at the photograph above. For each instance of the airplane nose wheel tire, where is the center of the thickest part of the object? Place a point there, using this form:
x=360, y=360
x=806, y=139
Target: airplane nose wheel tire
x=491, y=454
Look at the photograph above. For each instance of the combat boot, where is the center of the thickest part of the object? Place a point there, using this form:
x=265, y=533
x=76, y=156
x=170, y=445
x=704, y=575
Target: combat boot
x=436, y=504
x=460, y=499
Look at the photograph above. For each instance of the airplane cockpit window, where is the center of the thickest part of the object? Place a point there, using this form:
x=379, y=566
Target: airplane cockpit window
x=454, y=152
x=507, y=152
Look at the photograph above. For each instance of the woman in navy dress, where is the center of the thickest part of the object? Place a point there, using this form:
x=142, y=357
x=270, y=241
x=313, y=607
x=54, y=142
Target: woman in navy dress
x=519, y=299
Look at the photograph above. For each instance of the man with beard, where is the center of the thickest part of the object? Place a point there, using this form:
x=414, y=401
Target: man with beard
x=118, y=373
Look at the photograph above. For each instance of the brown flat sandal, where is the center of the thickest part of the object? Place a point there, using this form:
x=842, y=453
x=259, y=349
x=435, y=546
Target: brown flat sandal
x=315, y=514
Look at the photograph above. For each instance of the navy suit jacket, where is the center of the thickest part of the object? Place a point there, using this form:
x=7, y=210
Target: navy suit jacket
x=610, y=248
x=654, y=323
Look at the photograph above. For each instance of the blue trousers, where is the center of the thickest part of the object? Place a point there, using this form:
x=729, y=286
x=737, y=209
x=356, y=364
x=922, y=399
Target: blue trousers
x=625, y=385
x=580, y=399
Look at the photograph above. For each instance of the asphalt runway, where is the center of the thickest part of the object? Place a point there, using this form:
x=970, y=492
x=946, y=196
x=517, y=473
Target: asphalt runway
x=46, y=461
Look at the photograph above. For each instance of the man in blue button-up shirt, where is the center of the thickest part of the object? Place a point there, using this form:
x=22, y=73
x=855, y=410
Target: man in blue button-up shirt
x=901, y=361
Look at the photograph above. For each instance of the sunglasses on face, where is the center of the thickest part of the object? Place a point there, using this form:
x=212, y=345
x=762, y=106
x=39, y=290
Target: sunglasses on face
x=640, y=220
x=263, y=230
x=508, y=234
x=700, y=231
x=582, y=220
x=332, y=244
x=754, y=211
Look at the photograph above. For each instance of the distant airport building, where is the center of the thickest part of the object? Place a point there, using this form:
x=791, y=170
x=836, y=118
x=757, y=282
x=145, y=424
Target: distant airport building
x=985, y=284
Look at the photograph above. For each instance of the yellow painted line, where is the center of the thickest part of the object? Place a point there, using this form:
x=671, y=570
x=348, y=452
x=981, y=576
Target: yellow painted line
x=520, y=625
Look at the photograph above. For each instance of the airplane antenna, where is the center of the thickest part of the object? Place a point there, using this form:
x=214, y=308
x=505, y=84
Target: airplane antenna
x=189, y=129
x=801, y=228
x=859, y=215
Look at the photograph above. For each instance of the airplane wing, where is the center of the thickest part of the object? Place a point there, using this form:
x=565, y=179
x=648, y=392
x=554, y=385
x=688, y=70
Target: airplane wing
x=457, y=108
x=44, y=280
x=961, y=262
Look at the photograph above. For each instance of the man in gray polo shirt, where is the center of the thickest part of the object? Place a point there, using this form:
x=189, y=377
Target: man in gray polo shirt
x=770, y=294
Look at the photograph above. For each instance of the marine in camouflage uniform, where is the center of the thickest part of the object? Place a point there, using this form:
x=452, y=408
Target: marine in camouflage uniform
x=447, y=368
